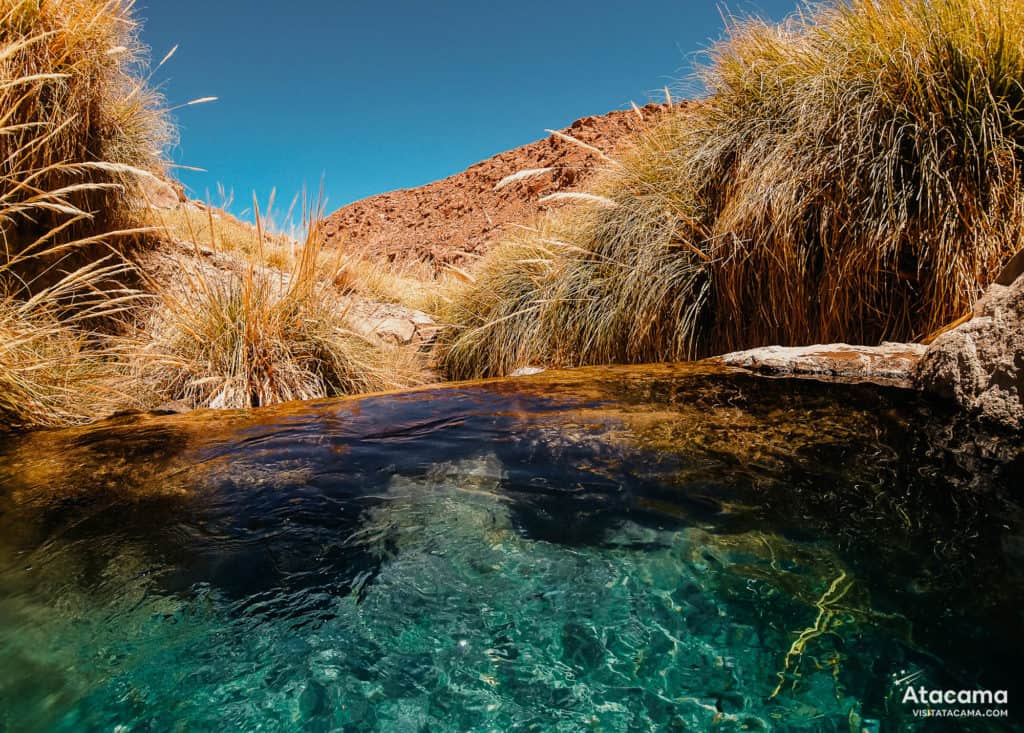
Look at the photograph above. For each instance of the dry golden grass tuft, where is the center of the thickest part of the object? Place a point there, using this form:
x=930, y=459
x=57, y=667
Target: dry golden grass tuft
x=493, y=319
x=259, y=337
x=414, y=285
x=854, y=174
x=78, y=126
x=283, y=246
x=213, y=227
x=54, y=369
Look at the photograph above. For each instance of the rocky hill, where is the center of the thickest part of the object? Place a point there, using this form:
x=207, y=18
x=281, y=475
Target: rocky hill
x=452, y=220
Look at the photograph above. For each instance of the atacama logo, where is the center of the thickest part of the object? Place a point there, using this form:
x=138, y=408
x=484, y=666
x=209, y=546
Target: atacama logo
x=924, y=696
x=923, y=702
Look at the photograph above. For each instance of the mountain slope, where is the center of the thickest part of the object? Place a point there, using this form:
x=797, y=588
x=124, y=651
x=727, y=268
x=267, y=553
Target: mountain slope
x=453, y=220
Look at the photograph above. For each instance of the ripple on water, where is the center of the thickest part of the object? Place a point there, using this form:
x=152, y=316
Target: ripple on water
x=643, y=553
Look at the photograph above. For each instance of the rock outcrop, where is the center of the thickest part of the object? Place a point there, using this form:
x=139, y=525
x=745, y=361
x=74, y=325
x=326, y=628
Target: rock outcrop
x=890, y=364
x=391, y=322
x=451, y=221
x=980, y=364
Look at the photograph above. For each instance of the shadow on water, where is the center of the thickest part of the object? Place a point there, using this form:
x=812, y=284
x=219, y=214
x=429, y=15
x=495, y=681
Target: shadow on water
x=770, y=504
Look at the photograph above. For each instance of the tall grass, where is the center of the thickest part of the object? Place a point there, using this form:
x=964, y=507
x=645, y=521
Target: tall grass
x=279, y=237
x=853, y=174
x=54, y=369
x=258, y=337
x=494, y=323
x=280, y=244
x=78, y=126
x=79, y=122
x=411, y=284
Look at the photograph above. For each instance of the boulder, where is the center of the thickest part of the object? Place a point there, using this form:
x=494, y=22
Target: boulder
x=390, y=322
x=889, y=364
x=397, y=330
x=980, y=364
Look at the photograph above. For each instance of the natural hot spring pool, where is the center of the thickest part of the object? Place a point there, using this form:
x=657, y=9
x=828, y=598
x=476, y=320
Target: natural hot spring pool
x=648, y=549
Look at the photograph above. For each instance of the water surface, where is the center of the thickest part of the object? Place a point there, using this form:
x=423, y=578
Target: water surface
x=630, y=549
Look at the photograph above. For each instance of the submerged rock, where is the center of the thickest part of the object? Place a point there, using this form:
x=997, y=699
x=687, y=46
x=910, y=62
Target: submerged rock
x=890, y=364
x=980, y=364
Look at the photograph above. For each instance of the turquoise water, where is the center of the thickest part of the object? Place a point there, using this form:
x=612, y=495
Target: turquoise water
x=656, y=549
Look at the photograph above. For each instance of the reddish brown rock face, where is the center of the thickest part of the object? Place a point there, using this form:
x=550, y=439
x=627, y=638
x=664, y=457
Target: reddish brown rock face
x=454, y=220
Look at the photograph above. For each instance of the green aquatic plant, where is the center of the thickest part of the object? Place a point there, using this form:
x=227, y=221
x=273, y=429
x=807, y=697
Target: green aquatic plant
x=824, y=623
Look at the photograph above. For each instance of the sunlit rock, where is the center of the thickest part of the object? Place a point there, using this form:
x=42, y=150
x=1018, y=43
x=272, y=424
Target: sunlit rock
x=980, y=364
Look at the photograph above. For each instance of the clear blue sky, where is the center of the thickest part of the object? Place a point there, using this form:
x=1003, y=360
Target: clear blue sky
x=375, y=96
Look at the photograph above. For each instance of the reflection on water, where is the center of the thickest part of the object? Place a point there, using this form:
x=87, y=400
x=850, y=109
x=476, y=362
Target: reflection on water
x=632, y=549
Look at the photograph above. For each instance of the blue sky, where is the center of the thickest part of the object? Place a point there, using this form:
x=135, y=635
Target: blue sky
x=374, y=96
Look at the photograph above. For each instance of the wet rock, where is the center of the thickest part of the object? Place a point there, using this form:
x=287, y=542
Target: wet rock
x=581, y=646
x=980, y=364
x=890, y=364
x=313, y=700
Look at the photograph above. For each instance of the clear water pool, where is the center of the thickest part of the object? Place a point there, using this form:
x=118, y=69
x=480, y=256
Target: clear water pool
x=637, y=549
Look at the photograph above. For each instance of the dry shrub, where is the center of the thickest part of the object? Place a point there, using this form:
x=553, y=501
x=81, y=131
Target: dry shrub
x=258, y=337
x=78, y=126
x=54, y=370
x=413, y=284
x=214, y=227
x=494, y=320
x=853, y=174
